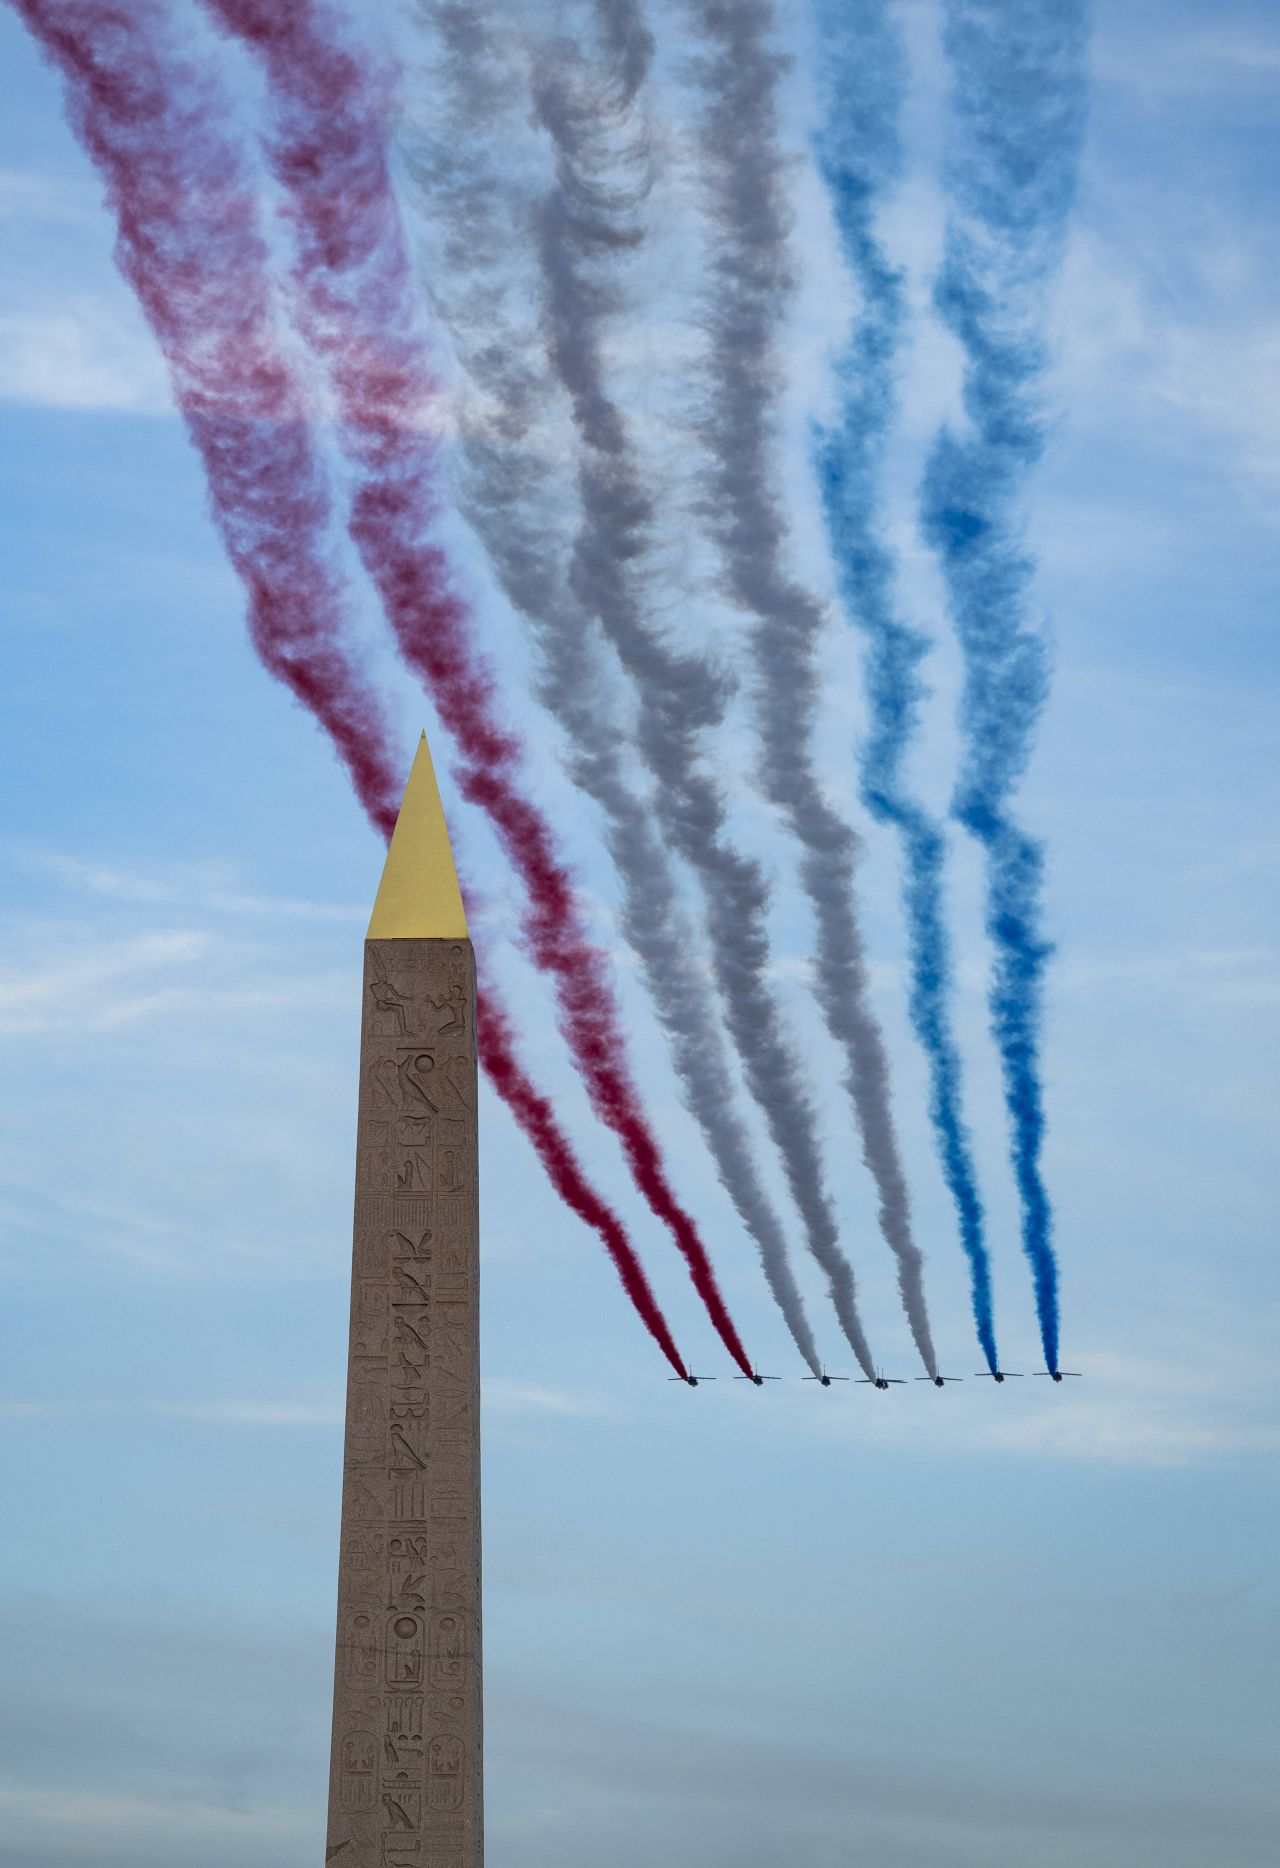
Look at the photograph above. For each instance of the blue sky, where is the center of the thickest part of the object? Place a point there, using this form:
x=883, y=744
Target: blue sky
x=726, y=1627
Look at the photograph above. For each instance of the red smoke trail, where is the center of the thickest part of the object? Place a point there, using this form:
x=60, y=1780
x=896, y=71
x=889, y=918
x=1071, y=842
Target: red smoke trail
x=357, y=306
x=534, y=1114
x=190, y=246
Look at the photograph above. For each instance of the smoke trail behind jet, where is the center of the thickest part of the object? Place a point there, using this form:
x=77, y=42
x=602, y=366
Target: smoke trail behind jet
x=586, y=222
x=750, y=267
x=533, y=1111
x=151, y=120
x=1018, y=102
x=354, y=301
x=197, y=262
x=861, y=77
x=515, y=496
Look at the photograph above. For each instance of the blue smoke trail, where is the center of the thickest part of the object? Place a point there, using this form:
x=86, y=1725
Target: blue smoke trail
x=862, y=82
x=1018, y=105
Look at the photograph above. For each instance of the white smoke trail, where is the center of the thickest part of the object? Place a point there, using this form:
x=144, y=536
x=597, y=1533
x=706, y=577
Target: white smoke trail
x=586, y=222
x=516, y=495
x=743, y=172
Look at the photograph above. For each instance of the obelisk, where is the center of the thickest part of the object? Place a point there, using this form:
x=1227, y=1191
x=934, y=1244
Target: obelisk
x=405, y=1770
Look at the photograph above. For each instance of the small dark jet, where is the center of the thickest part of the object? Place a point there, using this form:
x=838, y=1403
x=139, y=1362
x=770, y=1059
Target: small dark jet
x=757, y=1378
x=998, y=1375
x=691, y=1381
x=939, y=1381
x=825, y=1379
x=1057, y=1375
x=881, y=1381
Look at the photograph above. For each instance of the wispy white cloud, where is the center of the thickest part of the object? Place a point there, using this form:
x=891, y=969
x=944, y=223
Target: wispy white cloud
x=209, y=885
x=1140, y=1434
x=1193, y=365
x=100, y=988
x=502, y=1396
x=48, y=1213
x=1256, y=856
x=33, y=195
x=70, y=991
x=1127, y=1410
x=1218, y=975
x=107, y=1817
x=80, y=354
x=1228, y=386
x=74, y=982
x=108, y=960
x=206, y=1413
x=1229, y=59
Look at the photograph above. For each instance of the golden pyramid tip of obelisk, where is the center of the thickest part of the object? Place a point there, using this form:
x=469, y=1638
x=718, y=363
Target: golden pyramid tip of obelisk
x=418, y=897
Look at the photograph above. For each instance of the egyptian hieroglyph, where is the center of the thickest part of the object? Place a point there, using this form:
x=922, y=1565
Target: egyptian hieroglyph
x=405, y=1777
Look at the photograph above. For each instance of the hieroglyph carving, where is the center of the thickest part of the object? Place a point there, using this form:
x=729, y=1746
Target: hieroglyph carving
x=405, y=1785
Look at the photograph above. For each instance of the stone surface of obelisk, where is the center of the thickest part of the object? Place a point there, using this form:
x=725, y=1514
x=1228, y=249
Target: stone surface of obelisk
x=405, y=1771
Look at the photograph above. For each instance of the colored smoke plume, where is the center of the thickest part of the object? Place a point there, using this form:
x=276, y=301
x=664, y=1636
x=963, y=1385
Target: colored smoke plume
x=194, y=254
x=584, y=227
x=862, y=80
x=745, y=198
x=536, y=1117
x=190, y=245
x=518, y=491
x=1018, y=104
x=354, y=301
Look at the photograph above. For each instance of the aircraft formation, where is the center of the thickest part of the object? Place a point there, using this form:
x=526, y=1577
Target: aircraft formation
x=885, y=1382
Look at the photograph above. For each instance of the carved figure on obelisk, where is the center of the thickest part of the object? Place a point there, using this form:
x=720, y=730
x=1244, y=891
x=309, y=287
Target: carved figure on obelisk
x=405, y=1771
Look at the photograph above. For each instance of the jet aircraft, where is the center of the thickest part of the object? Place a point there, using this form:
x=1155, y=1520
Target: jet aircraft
x=1057, y=1375
x=691, y=1381
x=825, y=1379
x=998, y=1375
x=757, y=1378
x=939, y=1381
x=881, y=1381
